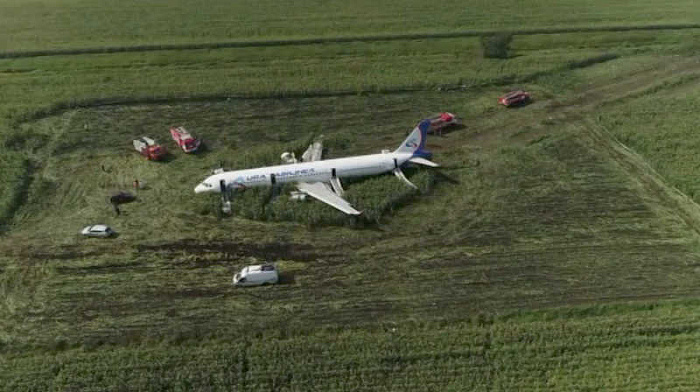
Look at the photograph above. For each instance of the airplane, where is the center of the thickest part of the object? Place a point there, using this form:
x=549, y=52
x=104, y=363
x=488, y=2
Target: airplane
x=321, y=179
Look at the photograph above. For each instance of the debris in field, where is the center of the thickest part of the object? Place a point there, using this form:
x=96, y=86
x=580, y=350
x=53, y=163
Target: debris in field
x=122, y=197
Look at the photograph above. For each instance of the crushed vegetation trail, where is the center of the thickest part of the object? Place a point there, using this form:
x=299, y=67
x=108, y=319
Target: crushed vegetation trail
x=338, y=39
x=586, y=100
x=673, y=73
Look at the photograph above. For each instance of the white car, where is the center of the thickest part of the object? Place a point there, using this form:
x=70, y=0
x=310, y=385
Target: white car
x=256, y=275
x=102, y=231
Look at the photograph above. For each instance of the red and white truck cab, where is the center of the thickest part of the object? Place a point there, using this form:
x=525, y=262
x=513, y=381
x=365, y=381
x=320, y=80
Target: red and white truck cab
x=183, y=139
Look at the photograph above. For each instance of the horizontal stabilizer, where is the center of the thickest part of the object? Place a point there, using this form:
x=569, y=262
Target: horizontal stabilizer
x=423, y=161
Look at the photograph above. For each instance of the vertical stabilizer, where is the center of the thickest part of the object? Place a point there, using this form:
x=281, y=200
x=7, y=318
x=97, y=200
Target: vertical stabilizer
x=415, y=142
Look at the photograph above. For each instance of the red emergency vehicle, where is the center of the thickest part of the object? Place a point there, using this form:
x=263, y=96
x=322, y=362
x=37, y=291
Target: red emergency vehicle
x=442, y=121
x=515, y=98
x=149, y=148
x=183, y=139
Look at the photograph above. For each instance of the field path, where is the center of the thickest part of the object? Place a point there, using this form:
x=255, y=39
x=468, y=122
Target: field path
x=337, y=39
x=490, y=133
x=674, y=73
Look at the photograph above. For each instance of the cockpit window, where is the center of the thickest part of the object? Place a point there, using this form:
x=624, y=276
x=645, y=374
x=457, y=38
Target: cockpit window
x=206, y=184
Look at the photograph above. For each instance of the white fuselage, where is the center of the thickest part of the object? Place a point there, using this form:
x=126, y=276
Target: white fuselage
x=317, y=171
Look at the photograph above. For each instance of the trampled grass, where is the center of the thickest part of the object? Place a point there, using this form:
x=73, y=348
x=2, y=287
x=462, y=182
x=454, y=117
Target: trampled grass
x=660, y=125
x=547, y=222
x=14, y=171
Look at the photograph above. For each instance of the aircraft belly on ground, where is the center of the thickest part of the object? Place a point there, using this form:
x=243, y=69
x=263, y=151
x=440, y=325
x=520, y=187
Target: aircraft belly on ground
x=320, y=179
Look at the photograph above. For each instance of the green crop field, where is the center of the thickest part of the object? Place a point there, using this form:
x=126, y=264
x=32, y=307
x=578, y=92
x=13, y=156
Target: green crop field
x=31, y=25
x=556, y=248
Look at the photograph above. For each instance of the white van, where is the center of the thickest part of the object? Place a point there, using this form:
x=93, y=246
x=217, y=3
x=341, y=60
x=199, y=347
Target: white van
x=255, y=275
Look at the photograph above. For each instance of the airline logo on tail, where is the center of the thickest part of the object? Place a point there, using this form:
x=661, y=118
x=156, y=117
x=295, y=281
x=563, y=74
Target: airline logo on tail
x=415, y=142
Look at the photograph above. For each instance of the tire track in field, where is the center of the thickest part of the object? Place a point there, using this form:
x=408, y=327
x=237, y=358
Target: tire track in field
x=491, y=132
x=633, y=163
x=584, y=104
x=331, y=40
x=18, y=195
x=651, y=181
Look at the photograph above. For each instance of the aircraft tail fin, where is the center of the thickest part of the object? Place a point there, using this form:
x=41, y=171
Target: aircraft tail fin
x=415, y=142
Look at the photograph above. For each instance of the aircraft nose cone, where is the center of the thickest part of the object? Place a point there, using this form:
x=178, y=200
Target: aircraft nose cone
x=200, y=188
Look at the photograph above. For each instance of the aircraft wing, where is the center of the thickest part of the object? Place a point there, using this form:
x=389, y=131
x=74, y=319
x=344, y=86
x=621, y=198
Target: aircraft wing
x=321, y=192
x=313, y=153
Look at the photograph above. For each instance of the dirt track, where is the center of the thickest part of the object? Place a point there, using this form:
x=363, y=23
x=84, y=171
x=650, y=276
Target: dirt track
x=585, y=102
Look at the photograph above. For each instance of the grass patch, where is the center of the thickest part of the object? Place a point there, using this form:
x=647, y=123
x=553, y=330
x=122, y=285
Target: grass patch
x=70, y=82
x=592, y=61
x=183, y=22
x=496, y=46
x=15, y=170
x=659, y=125
x=630, y=349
